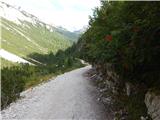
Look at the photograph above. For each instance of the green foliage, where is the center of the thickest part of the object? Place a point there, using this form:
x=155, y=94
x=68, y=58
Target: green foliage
x=17, y=78
x=134, y=48
x=34, y=40
x=27, y=38
x=6, y=63
x=71, y=35
x=134, y=104
x=12, y=83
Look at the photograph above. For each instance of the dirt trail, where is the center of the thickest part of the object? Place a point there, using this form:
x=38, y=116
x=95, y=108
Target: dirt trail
x=69, y=96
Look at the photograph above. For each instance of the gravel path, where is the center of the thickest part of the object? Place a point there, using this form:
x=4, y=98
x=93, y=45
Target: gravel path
x=69, y=96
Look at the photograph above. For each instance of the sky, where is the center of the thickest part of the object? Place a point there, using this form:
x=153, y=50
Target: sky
x=70, y=14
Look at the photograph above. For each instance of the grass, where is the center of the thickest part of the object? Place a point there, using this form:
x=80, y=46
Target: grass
x=24, y=40
x=41, y=39
x=15, y=79
x=44, y=78
x=39, y=80
x=6, y=63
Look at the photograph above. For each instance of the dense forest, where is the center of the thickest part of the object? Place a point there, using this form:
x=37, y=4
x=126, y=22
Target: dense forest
x=125, y=35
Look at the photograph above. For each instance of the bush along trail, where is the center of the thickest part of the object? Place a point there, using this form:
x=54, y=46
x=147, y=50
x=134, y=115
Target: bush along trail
x=122, y=43
x=19, y=77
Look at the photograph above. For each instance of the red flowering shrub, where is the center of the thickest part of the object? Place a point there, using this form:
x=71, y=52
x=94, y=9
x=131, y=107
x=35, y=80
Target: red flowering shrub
x=134, y=52
x=138, y=51
x=108, y=38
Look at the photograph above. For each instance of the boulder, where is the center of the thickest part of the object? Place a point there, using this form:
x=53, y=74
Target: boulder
x=152, y=102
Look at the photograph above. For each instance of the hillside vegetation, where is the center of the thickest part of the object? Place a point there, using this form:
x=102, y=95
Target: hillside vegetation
x=17, y=78
x=27, y=38
x=23, y=33
x=126, y=36
x=121, y=35
x=6, y=63
x=49, y=48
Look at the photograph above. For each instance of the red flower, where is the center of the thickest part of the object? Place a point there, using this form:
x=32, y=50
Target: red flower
x=136, y=29
x=108, y=38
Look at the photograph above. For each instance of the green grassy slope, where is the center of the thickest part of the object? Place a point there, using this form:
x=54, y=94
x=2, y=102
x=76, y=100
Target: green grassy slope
x=72, y=35
x=27, y=38
x=6, y=63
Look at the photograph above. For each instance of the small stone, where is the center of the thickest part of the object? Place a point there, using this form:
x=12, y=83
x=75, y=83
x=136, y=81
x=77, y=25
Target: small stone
x=14, y=115
x=142, y=118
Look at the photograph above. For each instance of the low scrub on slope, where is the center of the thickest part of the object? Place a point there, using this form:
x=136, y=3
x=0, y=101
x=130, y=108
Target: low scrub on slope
x=15, y=79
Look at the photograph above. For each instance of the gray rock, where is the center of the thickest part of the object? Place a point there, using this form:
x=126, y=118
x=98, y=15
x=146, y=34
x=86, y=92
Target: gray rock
x=128, y=88
x=152, y=102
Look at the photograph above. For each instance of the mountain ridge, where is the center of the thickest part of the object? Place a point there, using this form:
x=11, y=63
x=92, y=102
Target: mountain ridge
x=36, y=19
x=24, y=34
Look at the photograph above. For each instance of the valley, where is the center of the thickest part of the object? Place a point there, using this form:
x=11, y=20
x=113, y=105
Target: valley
x=107, y=69
x=23, y=33
x=32, y=51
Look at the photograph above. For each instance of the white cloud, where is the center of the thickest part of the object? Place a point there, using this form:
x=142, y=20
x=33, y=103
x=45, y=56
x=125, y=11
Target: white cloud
x=71, y=14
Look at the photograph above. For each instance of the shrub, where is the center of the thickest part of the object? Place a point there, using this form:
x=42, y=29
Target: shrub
x=125, y=34
x=17, y=78
x=12, y=83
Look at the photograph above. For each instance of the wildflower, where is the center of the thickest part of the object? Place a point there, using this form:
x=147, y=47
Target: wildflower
x=108, y=38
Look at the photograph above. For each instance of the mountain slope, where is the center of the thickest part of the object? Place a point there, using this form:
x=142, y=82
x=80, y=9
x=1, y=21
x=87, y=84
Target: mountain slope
x=72, y=35
x=24, y=34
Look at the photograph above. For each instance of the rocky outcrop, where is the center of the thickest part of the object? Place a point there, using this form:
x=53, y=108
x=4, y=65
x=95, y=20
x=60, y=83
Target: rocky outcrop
x=115, y=92
x=110, y=87
x=152, y=102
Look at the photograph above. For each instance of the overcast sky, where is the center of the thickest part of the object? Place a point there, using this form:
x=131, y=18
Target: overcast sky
x=70, y=14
